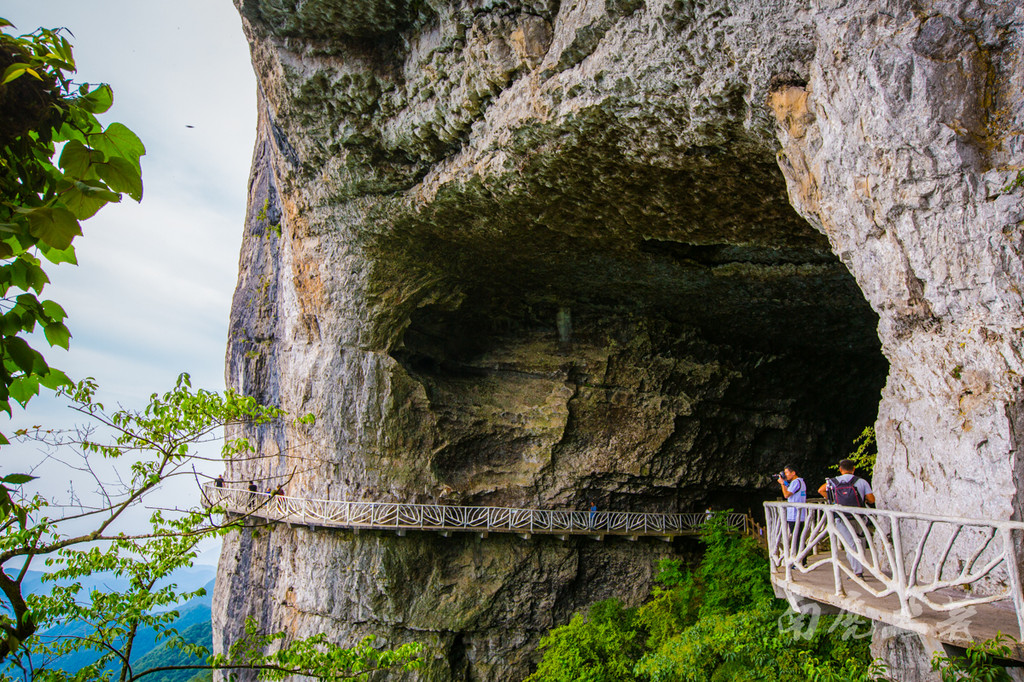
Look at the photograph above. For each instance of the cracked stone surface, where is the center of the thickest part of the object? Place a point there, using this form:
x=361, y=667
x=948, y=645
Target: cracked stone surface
x=634, y=252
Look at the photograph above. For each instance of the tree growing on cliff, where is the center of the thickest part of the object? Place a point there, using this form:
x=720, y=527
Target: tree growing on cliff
x=44, y=197
x=92, y=533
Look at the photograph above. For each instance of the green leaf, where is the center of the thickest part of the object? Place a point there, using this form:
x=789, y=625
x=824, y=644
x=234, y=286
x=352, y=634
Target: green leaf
x=16, y=71
x=55, y=379
x=26, y=274
x=21, y=354
x=121, y=176
x=57, y=256
x=117, y=141
x=76, y=158
x=63, y=49
x=98, y=100
x=54, y=226
x=84, y=199
x=23, y=388
x=17, y=479
x=69, y=132
x=54, y=311
x=57, y=334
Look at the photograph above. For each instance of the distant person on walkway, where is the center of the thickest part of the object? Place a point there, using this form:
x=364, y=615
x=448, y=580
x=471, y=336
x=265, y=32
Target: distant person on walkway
x=848, y=490
x=593, y=515
x=708, y=514
x=219, y=481
x=252, y=494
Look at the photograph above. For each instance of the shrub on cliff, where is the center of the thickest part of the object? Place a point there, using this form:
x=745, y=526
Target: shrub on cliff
x=603, y=647
x=717, y=621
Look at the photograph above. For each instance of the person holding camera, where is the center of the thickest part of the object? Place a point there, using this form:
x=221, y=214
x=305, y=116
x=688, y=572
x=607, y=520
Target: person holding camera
x=795, y=490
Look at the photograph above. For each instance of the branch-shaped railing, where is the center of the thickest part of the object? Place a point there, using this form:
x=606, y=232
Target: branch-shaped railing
x=926, y=561
x=441, y=517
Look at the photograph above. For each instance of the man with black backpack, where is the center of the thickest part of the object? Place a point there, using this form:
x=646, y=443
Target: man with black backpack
x=848, y=490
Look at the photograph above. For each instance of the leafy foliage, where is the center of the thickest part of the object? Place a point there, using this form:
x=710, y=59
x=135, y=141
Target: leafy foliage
x=600, y=648
x=978, y=664
x=715, y=622
x=42, y=111
x=733, y=572
x=312, y=657
x=153, y=445
x=1016, y=183
x=865, y=452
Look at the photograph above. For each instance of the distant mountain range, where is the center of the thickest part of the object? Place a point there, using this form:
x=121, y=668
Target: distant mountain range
x=193, y=623
x=187, y=579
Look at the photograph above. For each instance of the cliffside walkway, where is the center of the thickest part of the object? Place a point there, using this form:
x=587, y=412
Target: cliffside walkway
x=954, y=580
x=446, y=519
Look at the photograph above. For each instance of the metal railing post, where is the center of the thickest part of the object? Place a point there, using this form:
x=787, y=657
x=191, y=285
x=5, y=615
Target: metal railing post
x=900, y=569
x=833, y=543
x=787, y=543
x=1012, y=568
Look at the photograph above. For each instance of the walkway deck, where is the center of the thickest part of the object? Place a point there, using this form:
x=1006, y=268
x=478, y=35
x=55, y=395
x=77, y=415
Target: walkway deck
x=953, y=580
x=446, y=519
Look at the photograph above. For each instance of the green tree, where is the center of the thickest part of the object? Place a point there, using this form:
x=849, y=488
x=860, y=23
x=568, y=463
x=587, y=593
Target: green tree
x=153, y=445
x=43, y=197
x=733, y=572
x=603, y=647
x=717, y=621
x=865, y=452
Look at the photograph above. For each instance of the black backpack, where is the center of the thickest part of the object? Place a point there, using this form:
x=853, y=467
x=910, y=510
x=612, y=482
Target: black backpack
x=846, y=493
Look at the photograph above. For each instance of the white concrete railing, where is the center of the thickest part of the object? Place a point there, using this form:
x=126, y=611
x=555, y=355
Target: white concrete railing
x=942, y=563
x=441, y=517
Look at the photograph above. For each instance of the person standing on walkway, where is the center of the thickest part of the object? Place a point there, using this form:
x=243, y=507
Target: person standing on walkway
x=252, y=495
x=794, y=489
x=848, y=490
x=593, y=514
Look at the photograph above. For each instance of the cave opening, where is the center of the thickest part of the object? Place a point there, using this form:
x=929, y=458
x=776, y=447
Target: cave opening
x=664, y=346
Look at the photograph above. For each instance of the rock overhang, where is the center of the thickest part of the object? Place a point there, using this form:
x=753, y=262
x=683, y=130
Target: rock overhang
x=490, y=168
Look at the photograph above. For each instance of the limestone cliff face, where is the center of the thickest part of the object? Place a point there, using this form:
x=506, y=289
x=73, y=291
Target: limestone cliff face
x=542, y=253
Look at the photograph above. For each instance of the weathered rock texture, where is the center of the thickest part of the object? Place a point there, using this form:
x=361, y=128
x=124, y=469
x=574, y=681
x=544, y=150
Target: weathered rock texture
x=542, y=253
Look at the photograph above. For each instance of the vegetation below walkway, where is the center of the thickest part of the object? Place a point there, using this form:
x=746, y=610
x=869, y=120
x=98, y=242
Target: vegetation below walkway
x=717, y=621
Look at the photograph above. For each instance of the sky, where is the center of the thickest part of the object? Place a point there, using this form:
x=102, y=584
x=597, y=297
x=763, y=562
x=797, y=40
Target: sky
x=151, y=295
